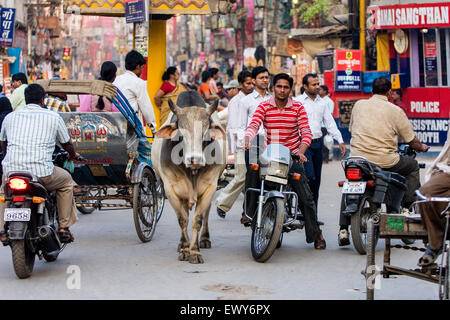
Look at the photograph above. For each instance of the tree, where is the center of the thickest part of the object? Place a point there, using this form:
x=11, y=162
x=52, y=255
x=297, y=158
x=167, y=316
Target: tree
x=312, y=10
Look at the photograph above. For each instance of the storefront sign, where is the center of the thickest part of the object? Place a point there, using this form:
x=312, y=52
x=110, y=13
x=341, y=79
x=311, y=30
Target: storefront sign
x=429, y=113
x=421, y=15
x=348, y=70
x=136, y=11
x=7, y=26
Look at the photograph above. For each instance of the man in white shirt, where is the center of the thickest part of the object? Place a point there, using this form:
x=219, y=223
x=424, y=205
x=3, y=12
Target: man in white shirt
x=328, y=141
x=247, y=107
x=318, y=113
x=229, y=194
x=135, y=89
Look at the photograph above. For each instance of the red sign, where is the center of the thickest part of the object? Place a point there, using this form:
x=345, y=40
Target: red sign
x=348, y=70
x=423, y=15
x=430, y=50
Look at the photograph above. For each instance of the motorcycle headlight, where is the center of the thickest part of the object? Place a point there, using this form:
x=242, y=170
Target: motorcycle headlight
x=277, y=169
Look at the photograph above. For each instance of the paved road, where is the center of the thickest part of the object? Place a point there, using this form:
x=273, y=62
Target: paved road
x=115, y=265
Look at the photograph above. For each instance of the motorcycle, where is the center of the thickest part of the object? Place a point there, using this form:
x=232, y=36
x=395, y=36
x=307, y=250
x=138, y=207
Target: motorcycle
x=369, y=191
x=277, y=203
x=31, y=219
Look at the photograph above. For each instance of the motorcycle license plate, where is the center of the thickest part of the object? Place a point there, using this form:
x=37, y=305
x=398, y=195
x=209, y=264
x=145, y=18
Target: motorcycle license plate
x=17, y=214
x=354, y=187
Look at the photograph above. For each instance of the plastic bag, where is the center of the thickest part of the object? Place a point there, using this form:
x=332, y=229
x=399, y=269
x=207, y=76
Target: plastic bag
x=328, y=142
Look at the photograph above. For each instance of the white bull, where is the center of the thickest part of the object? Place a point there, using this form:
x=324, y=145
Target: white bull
x=189, y=154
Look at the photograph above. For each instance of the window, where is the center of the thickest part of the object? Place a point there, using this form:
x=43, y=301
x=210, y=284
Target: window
x=432, y=67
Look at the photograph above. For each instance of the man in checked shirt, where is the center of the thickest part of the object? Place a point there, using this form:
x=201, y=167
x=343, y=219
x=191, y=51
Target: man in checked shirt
x=283, y=119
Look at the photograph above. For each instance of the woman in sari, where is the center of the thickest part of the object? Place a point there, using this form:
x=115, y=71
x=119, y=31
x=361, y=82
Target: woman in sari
x=170, y=88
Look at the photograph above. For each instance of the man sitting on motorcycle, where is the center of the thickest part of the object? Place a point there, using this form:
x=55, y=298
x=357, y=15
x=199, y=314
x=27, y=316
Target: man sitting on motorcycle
x=283, y=119
x=28, y=138
x=375, y=125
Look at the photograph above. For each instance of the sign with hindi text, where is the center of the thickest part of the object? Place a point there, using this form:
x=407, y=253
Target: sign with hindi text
x=348, y=70
x=7, y=26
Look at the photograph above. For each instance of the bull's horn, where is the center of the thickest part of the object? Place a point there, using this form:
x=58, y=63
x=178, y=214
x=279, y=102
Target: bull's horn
x=173, y=107
x=211, y=109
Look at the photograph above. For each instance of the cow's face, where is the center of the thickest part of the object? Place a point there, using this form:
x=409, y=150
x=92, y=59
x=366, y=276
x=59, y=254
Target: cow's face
x=195, y=127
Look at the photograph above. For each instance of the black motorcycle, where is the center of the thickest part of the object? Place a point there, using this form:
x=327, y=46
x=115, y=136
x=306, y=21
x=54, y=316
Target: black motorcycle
x=31, y=219
x=277, y=208
x=368, y=191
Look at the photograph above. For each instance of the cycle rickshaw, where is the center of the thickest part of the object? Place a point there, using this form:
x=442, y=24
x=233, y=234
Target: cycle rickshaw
x=117, y=172
x=396, y=226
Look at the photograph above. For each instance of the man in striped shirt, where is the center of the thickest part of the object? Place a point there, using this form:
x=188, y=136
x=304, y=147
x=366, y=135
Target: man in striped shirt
x=285, y=121
x=28, y=139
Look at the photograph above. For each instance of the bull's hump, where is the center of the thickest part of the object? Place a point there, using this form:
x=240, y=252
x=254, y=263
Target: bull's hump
x=190, y=99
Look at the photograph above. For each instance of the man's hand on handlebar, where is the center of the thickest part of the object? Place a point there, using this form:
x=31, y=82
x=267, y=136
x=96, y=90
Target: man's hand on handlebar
x=76, y=156
x=424, y=148
x=300, y=158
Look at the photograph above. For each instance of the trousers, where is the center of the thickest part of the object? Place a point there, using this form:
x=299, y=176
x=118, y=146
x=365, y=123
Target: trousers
x=61, y=181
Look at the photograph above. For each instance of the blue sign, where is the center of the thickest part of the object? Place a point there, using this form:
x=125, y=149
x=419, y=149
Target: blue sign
x=7, y=26
x=136, y=11
x=348, y=80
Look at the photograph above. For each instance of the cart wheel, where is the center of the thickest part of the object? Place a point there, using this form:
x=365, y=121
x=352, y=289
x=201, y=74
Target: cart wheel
x=161, y=198
x=145, y=206
x=370, y=265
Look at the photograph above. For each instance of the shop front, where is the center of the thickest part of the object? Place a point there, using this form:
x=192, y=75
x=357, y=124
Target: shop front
x=413, y=43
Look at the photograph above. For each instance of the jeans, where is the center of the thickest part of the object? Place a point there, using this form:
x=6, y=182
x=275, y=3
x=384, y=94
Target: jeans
x=313, y=167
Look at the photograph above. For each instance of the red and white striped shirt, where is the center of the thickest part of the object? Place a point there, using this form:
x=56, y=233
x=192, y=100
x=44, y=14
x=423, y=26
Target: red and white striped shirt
x=283, y=126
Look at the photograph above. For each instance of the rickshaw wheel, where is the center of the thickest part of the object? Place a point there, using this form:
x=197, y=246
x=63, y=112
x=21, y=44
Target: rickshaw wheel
x=145, y=206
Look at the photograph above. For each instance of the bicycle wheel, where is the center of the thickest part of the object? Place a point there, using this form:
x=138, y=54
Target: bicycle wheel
x=145, y=206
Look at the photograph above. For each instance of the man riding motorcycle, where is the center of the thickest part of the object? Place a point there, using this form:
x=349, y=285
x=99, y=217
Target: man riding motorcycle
x=283, y=119
x=375, y=125
x=28, y=138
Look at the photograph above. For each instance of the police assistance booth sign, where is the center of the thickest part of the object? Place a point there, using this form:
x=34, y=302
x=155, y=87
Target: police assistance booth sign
x=348, y=70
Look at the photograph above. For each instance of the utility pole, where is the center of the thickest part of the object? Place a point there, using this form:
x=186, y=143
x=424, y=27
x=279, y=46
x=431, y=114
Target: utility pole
x=265, y=24
x=188, y=42
x=243, y=33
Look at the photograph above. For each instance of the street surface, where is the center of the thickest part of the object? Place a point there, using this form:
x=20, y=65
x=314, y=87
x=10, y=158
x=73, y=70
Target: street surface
x=114, y=264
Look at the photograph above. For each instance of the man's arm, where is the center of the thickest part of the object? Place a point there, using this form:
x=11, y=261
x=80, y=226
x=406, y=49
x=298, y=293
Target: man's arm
x=68, y=146
x=145, y=104
x=305, y=132
x=254, y=125
x=4, y=145
x=331, y=126
x=418, y=146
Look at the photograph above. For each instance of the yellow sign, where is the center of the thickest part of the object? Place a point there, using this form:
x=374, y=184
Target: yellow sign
x=349, y=55
x=395, y=80
x=117, y=7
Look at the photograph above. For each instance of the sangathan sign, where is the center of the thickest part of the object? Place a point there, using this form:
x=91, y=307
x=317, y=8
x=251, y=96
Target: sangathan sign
x=419, y=15
x=348, y=70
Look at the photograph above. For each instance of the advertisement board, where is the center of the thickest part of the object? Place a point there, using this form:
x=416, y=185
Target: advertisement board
x=7, y=16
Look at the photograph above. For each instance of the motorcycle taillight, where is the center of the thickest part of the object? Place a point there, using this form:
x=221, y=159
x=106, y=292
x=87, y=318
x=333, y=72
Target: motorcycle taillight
x=353, y=174
x=18, y=184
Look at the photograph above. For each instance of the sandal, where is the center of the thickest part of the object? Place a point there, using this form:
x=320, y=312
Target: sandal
x=429, y=257
x=66, y=236
x=246, y=221
x=320, y=244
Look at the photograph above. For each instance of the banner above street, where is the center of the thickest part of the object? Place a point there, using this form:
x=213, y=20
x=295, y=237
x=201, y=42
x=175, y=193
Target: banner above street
x=117, y=7
x=423, y=15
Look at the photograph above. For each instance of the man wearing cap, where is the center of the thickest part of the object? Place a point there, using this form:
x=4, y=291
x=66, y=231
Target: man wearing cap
x=229, y=194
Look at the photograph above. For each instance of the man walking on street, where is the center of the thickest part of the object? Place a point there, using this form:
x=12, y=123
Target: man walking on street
x=230, y=193
x=318, y=113
x=135, y=89
x=247, y=107
x=19, y=83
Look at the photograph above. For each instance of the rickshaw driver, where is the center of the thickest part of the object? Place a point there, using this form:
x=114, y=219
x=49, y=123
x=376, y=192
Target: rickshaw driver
x=437, y=184
x=283, y=120
x=28, y=139
x=135, y=89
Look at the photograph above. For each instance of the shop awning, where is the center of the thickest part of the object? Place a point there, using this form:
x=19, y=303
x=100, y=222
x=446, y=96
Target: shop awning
x=318, y=32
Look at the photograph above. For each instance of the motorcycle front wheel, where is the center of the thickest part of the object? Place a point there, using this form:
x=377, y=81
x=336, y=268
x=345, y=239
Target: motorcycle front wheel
x=265, y=239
